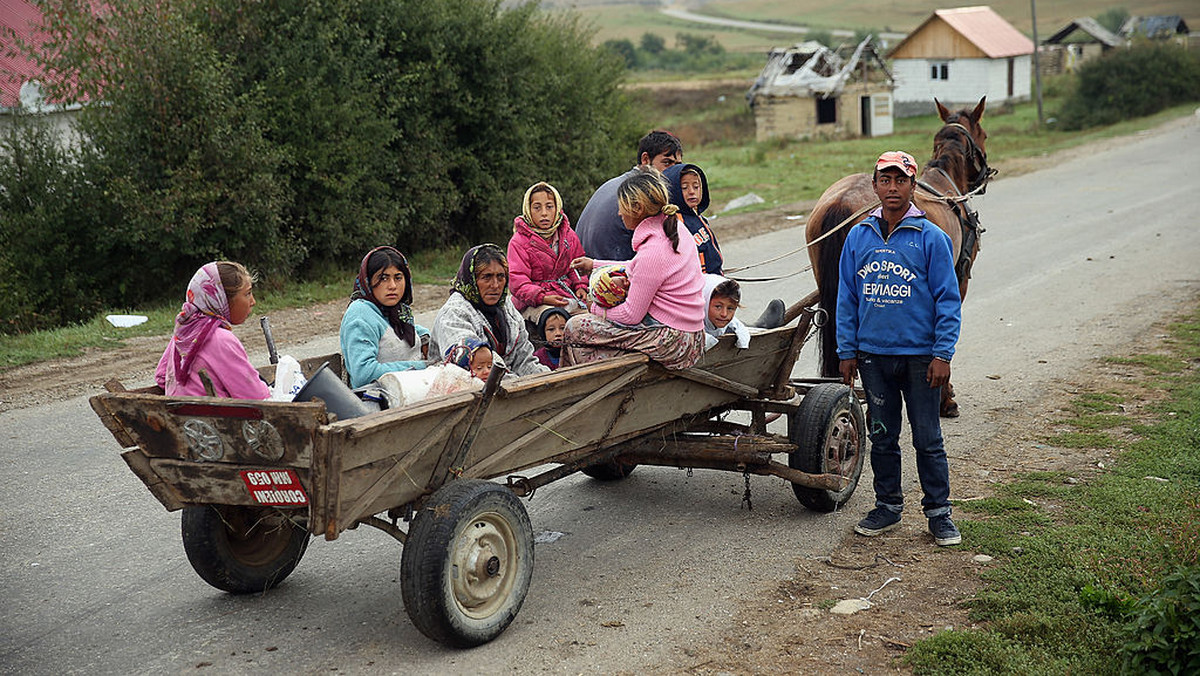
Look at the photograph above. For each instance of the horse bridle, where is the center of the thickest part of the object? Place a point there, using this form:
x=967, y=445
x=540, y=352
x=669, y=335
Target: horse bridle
x=978, y=159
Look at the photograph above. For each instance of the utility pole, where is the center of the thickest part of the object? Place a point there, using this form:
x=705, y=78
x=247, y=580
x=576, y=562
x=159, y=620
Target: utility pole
x=1037, y=68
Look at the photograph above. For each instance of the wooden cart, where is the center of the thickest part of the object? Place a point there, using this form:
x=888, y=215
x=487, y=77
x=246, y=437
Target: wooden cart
x=256, y=479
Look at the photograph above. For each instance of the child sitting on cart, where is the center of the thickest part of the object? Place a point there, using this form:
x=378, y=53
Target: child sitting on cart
x=219, y=296
x=662, y=315
x=722, y=297
x=689, y=192
x=550, y=332
x=378, y=333
x=540, y=252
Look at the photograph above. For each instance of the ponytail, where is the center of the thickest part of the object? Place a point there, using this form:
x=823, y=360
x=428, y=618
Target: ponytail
x=670, y=225
x=646, y=194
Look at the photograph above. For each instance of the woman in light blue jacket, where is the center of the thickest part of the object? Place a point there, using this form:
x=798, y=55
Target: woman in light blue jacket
x=378, y=332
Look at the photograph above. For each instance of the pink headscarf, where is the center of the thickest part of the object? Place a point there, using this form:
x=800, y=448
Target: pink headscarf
x=205, y=310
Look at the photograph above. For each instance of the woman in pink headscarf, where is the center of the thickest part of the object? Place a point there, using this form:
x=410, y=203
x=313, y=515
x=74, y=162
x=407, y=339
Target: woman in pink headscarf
x=220, y=295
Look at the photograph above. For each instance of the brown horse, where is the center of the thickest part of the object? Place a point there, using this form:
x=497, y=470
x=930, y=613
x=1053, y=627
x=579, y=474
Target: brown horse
x=957, y=170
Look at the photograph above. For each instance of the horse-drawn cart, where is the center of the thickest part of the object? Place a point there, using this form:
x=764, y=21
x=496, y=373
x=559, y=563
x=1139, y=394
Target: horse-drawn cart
x=256, y=479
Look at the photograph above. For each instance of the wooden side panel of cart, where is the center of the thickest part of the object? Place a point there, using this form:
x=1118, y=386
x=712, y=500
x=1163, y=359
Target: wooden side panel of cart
x=394, y=457
x=192, y=450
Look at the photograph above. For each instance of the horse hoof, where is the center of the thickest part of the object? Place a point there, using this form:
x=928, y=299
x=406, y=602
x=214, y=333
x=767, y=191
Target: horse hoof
x=950, y=411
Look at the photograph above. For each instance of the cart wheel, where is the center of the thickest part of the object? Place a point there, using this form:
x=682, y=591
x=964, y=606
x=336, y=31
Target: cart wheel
x=242, y=550
x=829, y=431
x=609, y=471
x=467, y=563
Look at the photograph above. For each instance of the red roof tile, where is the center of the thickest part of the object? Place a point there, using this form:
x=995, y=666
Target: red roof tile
x=22, y=18
x=987, y=30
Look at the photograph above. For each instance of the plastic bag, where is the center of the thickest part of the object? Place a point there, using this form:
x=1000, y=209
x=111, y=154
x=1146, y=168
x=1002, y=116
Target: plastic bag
x=289, y=379
x=452, y=378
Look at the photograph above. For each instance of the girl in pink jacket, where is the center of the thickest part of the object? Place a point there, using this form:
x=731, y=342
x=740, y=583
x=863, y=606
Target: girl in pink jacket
x=662, y=315
x=219, y=297
x=540, y=252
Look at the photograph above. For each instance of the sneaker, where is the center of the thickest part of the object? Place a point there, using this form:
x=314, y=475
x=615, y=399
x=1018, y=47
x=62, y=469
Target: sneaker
x=878, y=521
x=944, y=532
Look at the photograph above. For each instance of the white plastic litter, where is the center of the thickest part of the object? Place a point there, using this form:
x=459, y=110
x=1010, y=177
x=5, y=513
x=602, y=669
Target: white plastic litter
x=126, y=321
x=289, y=379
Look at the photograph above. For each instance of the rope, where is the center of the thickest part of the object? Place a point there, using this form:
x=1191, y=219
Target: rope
x=853, y=217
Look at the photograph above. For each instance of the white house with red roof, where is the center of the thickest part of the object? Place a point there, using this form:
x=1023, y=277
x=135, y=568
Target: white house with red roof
x=957, y=56
x=21, y=78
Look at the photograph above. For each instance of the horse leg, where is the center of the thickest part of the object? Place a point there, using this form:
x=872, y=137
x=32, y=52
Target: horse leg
x=949, y=407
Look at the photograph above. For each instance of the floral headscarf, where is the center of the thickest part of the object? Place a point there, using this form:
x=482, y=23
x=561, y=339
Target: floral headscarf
x=461, y=353
x=544, y=233
x=400, y=315
x=465, y=284
x=205, y=310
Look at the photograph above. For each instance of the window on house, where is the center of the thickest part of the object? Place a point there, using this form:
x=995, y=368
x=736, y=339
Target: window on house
x=939, y=71
x=827, y=110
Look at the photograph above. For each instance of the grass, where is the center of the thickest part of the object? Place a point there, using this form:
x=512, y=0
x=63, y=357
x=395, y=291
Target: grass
x=1064, y=588
x=429, y=267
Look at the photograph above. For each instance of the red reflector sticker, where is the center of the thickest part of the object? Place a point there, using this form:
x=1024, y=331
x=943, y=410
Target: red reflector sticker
x=280, y=487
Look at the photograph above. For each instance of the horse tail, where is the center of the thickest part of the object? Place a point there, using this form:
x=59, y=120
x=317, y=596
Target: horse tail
x=829, y=252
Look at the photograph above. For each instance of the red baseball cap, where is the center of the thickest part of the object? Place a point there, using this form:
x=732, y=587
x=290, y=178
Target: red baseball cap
x=898, y=159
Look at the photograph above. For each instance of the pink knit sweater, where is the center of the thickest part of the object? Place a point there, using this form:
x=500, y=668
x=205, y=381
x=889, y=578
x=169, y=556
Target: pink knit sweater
x=668, y=284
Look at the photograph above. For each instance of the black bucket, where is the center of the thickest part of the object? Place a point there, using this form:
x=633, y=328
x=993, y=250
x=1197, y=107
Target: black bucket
x=339, y=399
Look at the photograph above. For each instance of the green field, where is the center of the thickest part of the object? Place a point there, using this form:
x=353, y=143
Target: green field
x=633, y=19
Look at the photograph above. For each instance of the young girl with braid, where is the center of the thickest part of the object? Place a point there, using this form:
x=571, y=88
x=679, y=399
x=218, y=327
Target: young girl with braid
x=662, y=315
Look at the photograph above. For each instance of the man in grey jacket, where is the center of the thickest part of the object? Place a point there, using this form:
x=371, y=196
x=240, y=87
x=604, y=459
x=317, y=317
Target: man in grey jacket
x=599, y=226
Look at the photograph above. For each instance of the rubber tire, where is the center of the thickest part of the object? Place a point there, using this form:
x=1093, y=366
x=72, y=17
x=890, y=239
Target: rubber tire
x=467, y=522
x=829, y=420
x=242, y=550
x=609, y=471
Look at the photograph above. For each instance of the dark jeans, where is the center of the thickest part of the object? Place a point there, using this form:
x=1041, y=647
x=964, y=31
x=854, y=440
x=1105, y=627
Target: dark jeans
x=888, y=380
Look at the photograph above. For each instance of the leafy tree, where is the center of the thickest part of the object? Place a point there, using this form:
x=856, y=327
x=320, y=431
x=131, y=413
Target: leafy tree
x=1134, y=82
x=699, y=44
x=295, y=133
x=652, y=43
x=624, y=49
x=822, y=36
x=1113, y=18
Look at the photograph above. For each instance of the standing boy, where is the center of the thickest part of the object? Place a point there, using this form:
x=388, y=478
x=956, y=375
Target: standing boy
x=898, y=317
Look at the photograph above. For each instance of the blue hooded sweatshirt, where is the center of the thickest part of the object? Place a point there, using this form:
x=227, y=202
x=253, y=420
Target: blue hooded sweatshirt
x=710, y=252
x=899, y=295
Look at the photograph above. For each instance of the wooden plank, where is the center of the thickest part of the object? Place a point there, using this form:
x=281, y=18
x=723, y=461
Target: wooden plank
x=139, y=463
x=402, y=463
x=202, y=483
x=114, y=426
x=570, y=412
x=713, y=380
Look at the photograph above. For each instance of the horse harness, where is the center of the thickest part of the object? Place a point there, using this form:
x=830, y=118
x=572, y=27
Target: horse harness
x=968, y=217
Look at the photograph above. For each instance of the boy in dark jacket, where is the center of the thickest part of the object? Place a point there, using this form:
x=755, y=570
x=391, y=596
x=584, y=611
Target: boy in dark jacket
x=898, y=318
x=689, y=192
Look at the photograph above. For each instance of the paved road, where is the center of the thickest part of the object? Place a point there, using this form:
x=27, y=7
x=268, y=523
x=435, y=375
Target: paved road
x=681, y=13
x=1077, y=260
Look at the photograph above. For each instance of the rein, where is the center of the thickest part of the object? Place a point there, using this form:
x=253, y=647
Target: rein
x=978, y=159
x=852, y=218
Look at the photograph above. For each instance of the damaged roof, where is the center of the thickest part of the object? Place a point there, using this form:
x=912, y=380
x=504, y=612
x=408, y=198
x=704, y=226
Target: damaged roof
x=812, y=69
x=1089, y=26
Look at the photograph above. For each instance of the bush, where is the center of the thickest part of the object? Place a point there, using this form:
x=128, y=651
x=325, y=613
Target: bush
x=1164, y=635
x=47, y=239
x=1128, y=83
x=297, y=134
